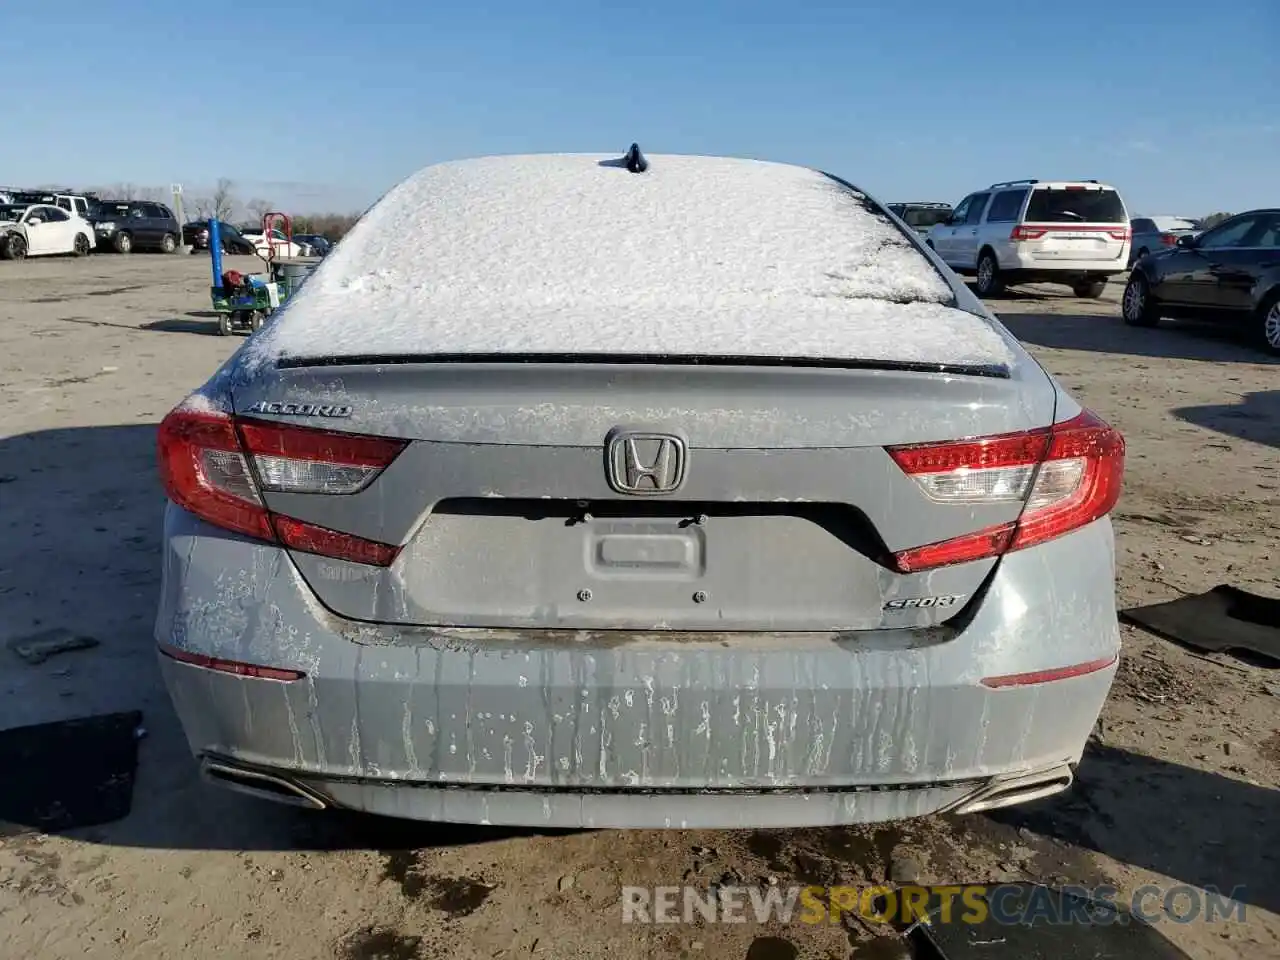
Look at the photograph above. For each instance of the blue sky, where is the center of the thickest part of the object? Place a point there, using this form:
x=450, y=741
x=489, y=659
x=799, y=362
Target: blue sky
x=324, y=104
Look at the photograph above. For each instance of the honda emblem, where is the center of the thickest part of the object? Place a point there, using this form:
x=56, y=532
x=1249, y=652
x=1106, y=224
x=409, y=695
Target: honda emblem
x=643, y=464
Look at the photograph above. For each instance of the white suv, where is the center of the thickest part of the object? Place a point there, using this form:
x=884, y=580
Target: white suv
x=1074, y=232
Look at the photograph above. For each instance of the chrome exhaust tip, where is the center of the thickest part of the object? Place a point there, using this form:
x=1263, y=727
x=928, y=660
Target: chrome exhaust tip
x=1008, y=791
x=257, y=783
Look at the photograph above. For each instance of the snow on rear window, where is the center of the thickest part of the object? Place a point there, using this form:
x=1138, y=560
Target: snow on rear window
x=573, y=254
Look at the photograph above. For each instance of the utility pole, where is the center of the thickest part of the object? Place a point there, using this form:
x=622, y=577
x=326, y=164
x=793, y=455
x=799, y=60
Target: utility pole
x=176, y=190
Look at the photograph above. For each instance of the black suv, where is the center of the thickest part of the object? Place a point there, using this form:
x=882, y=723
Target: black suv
x=196, y=235
x=128, y=225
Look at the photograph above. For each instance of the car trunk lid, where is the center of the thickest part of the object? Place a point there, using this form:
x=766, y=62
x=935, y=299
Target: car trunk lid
x=535, y=495
x=1077, y=222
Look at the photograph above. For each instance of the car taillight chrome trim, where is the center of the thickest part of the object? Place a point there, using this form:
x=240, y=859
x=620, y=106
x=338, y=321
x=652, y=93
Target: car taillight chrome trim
x=1076, y=469
x=1025, y=231
x=216, y=467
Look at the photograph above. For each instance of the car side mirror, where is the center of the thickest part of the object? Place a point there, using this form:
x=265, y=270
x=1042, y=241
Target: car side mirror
x=1188, y=241
x=34, y=222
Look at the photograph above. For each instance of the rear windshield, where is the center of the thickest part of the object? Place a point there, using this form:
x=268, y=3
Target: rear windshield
x=1075, y=206
x=924, y=217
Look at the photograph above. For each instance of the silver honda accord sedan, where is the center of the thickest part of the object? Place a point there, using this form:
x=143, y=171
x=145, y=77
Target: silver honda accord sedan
x=661, y=491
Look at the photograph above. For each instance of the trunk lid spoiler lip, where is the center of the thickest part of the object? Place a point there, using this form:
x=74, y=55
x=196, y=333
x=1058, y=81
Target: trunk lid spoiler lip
x=997, y=371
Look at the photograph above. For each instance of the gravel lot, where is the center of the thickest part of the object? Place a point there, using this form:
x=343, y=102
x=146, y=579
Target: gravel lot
x=1179, y=787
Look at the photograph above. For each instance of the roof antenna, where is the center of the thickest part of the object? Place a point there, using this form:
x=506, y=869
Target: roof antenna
x=634, y=160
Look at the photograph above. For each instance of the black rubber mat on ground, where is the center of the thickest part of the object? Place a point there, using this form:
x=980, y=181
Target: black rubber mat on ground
x=1224, y=619
x=74, y=773
x=1027, y=921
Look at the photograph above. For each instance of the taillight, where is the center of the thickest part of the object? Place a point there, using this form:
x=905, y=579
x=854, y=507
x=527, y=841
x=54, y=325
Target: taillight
x=1066, y=475
x=296, y=460
x=1022, y=232
x=1168, y=239
x=216, y=467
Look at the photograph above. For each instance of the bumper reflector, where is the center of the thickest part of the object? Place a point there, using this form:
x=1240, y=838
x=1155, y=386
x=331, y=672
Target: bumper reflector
x=234, y=667
x=1048, y=676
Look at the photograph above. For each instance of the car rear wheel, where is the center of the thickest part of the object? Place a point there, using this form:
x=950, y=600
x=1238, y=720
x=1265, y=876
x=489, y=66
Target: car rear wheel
x=1089, y=289
x=16, y=247
x=123, y=243
x=168, y=244
x=1137, y=306
x=990, y=283
x=1270, y=327
x=81, y=248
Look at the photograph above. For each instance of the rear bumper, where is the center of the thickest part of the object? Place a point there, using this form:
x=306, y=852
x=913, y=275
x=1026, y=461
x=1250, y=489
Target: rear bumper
x=628, y=808
x=1023, y=264
x=594, y=729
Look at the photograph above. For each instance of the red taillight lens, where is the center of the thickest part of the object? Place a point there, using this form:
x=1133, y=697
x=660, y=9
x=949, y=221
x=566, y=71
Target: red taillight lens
x=1078, y=482
x=1120, y=233
x=308, y=538
x=1067, y=476
x=203, y=471
x=1168, y=240
x=295, y=460
x=216, y=467
x=1023, y=232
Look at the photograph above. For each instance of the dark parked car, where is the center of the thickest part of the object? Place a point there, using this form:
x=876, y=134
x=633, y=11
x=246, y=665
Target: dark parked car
x=1229, y=274
x=128, y=225
x=313, y=245
x=196, y=235
x=921, y=216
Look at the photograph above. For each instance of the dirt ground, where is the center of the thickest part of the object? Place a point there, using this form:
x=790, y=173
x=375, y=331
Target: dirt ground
x=1179, y=786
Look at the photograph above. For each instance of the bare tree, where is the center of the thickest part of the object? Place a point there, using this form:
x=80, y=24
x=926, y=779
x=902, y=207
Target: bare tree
x=117, y=191
x=1213, y=219
x=331, y=225
x=259, y=208
x=223, y=201
x=200, y=208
